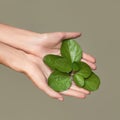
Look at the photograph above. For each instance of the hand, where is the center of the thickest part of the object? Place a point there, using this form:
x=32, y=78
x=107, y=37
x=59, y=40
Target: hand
x=38, y=44
x=28, y=58
x=50, y=44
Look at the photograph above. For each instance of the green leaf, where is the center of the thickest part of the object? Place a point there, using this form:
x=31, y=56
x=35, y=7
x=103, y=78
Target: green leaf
x=59, y=81
x=71, y=50
x=92, y=83
x=63, y=65
x=75, y=66
x=85, y=70
x=79, y=80
x=50, y=60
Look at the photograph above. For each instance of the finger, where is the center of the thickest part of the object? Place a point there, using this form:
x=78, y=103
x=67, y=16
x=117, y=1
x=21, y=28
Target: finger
x=66, y=35
x=89, y=58
x=73, y=93
x=52, y=93
x=56, y=37
x=70, y=35
x=92, y=65
x=63, y=35
x=74, y=87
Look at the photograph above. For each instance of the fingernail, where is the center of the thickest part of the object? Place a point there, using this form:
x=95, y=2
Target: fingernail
x=60, y=99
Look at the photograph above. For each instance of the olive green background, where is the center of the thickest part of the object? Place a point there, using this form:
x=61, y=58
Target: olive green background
x=99, y=22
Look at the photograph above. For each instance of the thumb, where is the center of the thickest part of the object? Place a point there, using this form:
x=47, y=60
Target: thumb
x=61, y=35
x=67, y=35
x=40, y=81
x=71, y=35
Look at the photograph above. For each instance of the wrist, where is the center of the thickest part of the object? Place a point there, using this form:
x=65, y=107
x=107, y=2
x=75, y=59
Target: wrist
x=18, y=38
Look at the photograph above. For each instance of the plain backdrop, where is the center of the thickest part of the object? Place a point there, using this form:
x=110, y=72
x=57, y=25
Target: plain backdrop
x=99, y=22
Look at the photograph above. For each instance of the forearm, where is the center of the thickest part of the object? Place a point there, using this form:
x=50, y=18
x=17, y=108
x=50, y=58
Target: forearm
x=16, y=37
x=13, y=58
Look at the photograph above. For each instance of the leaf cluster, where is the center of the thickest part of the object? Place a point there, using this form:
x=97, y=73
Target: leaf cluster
x=68, y=67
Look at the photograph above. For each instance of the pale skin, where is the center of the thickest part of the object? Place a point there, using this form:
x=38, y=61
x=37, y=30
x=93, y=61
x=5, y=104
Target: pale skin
x=23, y=51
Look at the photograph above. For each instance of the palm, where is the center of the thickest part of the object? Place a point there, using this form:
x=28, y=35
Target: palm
x=51, y=45
x=37, y=71
x=27, y=55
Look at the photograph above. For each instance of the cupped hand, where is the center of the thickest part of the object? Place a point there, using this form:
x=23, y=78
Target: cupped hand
x=29, y=60
x=50, y=43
